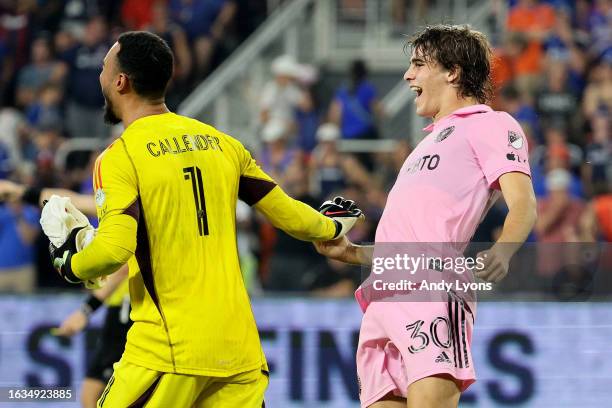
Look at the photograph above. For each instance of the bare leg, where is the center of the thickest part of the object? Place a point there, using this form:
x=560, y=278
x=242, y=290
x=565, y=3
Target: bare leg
x=389, y=401
x=433, y=392
x=91, y=389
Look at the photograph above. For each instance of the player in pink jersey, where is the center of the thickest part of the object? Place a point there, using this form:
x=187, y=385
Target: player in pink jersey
x=415, y=352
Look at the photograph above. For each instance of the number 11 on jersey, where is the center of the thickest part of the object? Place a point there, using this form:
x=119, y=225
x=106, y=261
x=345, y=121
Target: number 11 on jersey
x=195, y=175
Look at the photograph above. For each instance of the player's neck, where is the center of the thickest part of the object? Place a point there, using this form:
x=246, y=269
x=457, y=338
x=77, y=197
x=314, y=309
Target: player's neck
x=452, y=105
x=137, y=109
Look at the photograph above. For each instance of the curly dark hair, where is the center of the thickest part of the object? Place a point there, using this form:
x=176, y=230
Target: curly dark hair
x=458, y=47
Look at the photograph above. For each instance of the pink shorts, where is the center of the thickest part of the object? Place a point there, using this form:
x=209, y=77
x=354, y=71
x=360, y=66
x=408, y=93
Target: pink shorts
x=402, y=342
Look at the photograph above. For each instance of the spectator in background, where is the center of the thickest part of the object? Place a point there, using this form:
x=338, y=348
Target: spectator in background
x=565, y=45
x=174, y=35
x=84, y=113
x=580, y=21
x=42, y=70
x=596, y=220
x=78, y=13
x=511, y=67
x=282, y=95
x=18, y=231
x=206, y=23
x=7, y=165
x=418, y=10
x=330, y=170
x=558, y=220
x=559, y=212
x=533, y=21
x=250, y=14
x=597, y=172
x=307, y=115
x=600, y=27
x=15, y=33
x=47, y=107
x=7, y=72
x=12, y=126
x=45, y=141
x=555, y=101
x=355, y=107
x=137, y=14
x=556, y=154
x=64, y=43
x=277, y=156
x=598, y=93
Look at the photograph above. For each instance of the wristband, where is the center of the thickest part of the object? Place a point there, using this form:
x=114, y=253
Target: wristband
x=31, y=195
x=90, y=305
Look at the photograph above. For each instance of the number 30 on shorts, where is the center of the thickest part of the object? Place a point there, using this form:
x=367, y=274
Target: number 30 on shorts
x=422, y=339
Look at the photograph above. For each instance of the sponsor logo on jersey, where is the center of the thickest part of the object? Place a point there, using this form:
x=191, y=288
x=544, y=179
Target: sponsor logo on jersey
x=443, y=358
x=515, y=140
x=428, y=162
x=444, y=134
x=515, y=157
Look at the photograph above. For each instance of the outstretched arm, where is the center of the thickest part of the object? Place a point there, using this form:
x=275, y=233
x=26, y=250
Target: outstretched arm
x=295, y=218
x=344, y=250
x=10, y=191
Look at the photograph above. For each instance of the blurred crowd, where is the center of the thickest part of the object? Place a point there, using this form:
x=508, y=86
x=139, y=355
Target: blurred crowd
x=552, y=70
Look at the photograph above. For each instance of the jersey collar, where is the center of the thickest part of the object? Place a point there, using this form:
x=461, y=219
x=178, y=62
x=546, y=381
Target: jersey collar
x=465, y=111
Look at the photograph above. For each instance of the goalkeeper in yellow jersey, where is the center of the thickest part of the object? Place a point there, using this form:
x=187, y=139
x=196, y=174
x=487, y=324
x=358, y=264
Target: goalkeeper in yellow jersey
x=166, y=194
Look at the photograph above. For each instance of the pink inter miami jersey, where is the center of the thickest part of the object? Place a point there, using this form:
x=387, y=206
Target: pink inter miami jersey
x=450, y=180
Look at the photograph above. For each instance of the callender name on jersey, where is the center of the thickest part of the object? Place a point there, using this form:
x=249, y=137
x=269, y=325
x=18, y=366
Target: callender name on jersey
x=177, y=180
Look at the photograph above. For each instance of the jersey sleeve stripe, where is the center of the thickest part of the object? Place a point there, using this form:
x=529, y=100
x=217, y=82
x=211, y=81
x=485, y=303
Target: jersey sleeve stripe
x=99, y=173
x=94, y=175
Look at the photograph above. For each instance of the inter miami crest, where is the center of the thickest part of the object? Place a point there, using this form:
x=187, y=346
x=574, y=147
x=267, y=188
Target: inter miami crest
x=444, y=134
x=515, y=140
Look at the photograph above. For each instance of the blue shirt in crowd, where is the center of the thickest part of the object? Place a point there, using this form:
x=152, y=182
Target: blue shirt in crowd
x=357, y=116
x=13, y=251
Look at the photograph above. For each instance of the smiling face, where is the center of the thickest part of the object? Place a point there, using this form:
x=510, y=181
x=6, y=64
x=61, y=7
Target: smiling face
x=431, y=83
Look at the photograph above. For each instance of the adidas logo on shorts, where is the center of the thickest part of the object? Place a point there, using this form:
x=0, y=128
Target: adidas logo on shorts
x=443, y=358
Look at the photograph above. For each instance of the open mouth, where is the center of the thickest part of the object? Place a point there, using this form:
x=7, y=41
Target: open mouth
x=416, y=89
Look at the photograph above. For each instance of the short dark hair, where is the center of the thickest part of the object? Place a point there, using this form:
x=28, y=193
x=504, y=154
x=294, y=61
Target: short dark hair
x=147, y=61
x=460, y=47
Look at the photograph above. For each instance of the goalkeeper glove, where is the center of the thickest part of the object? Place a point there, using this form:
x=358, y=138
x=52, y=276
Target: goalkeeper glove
x=61, y=256
x=344, y=213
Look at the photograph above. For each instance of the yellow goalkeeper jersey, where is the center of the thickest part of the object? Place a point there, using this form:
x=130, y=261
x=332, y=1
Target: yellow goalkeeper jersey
x=171, y=184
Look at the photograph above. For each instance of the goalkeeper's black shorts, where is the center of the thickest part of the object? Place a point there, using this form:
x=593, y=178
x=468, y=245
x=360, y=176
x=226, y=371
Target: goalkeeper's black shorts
x=110, y=344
